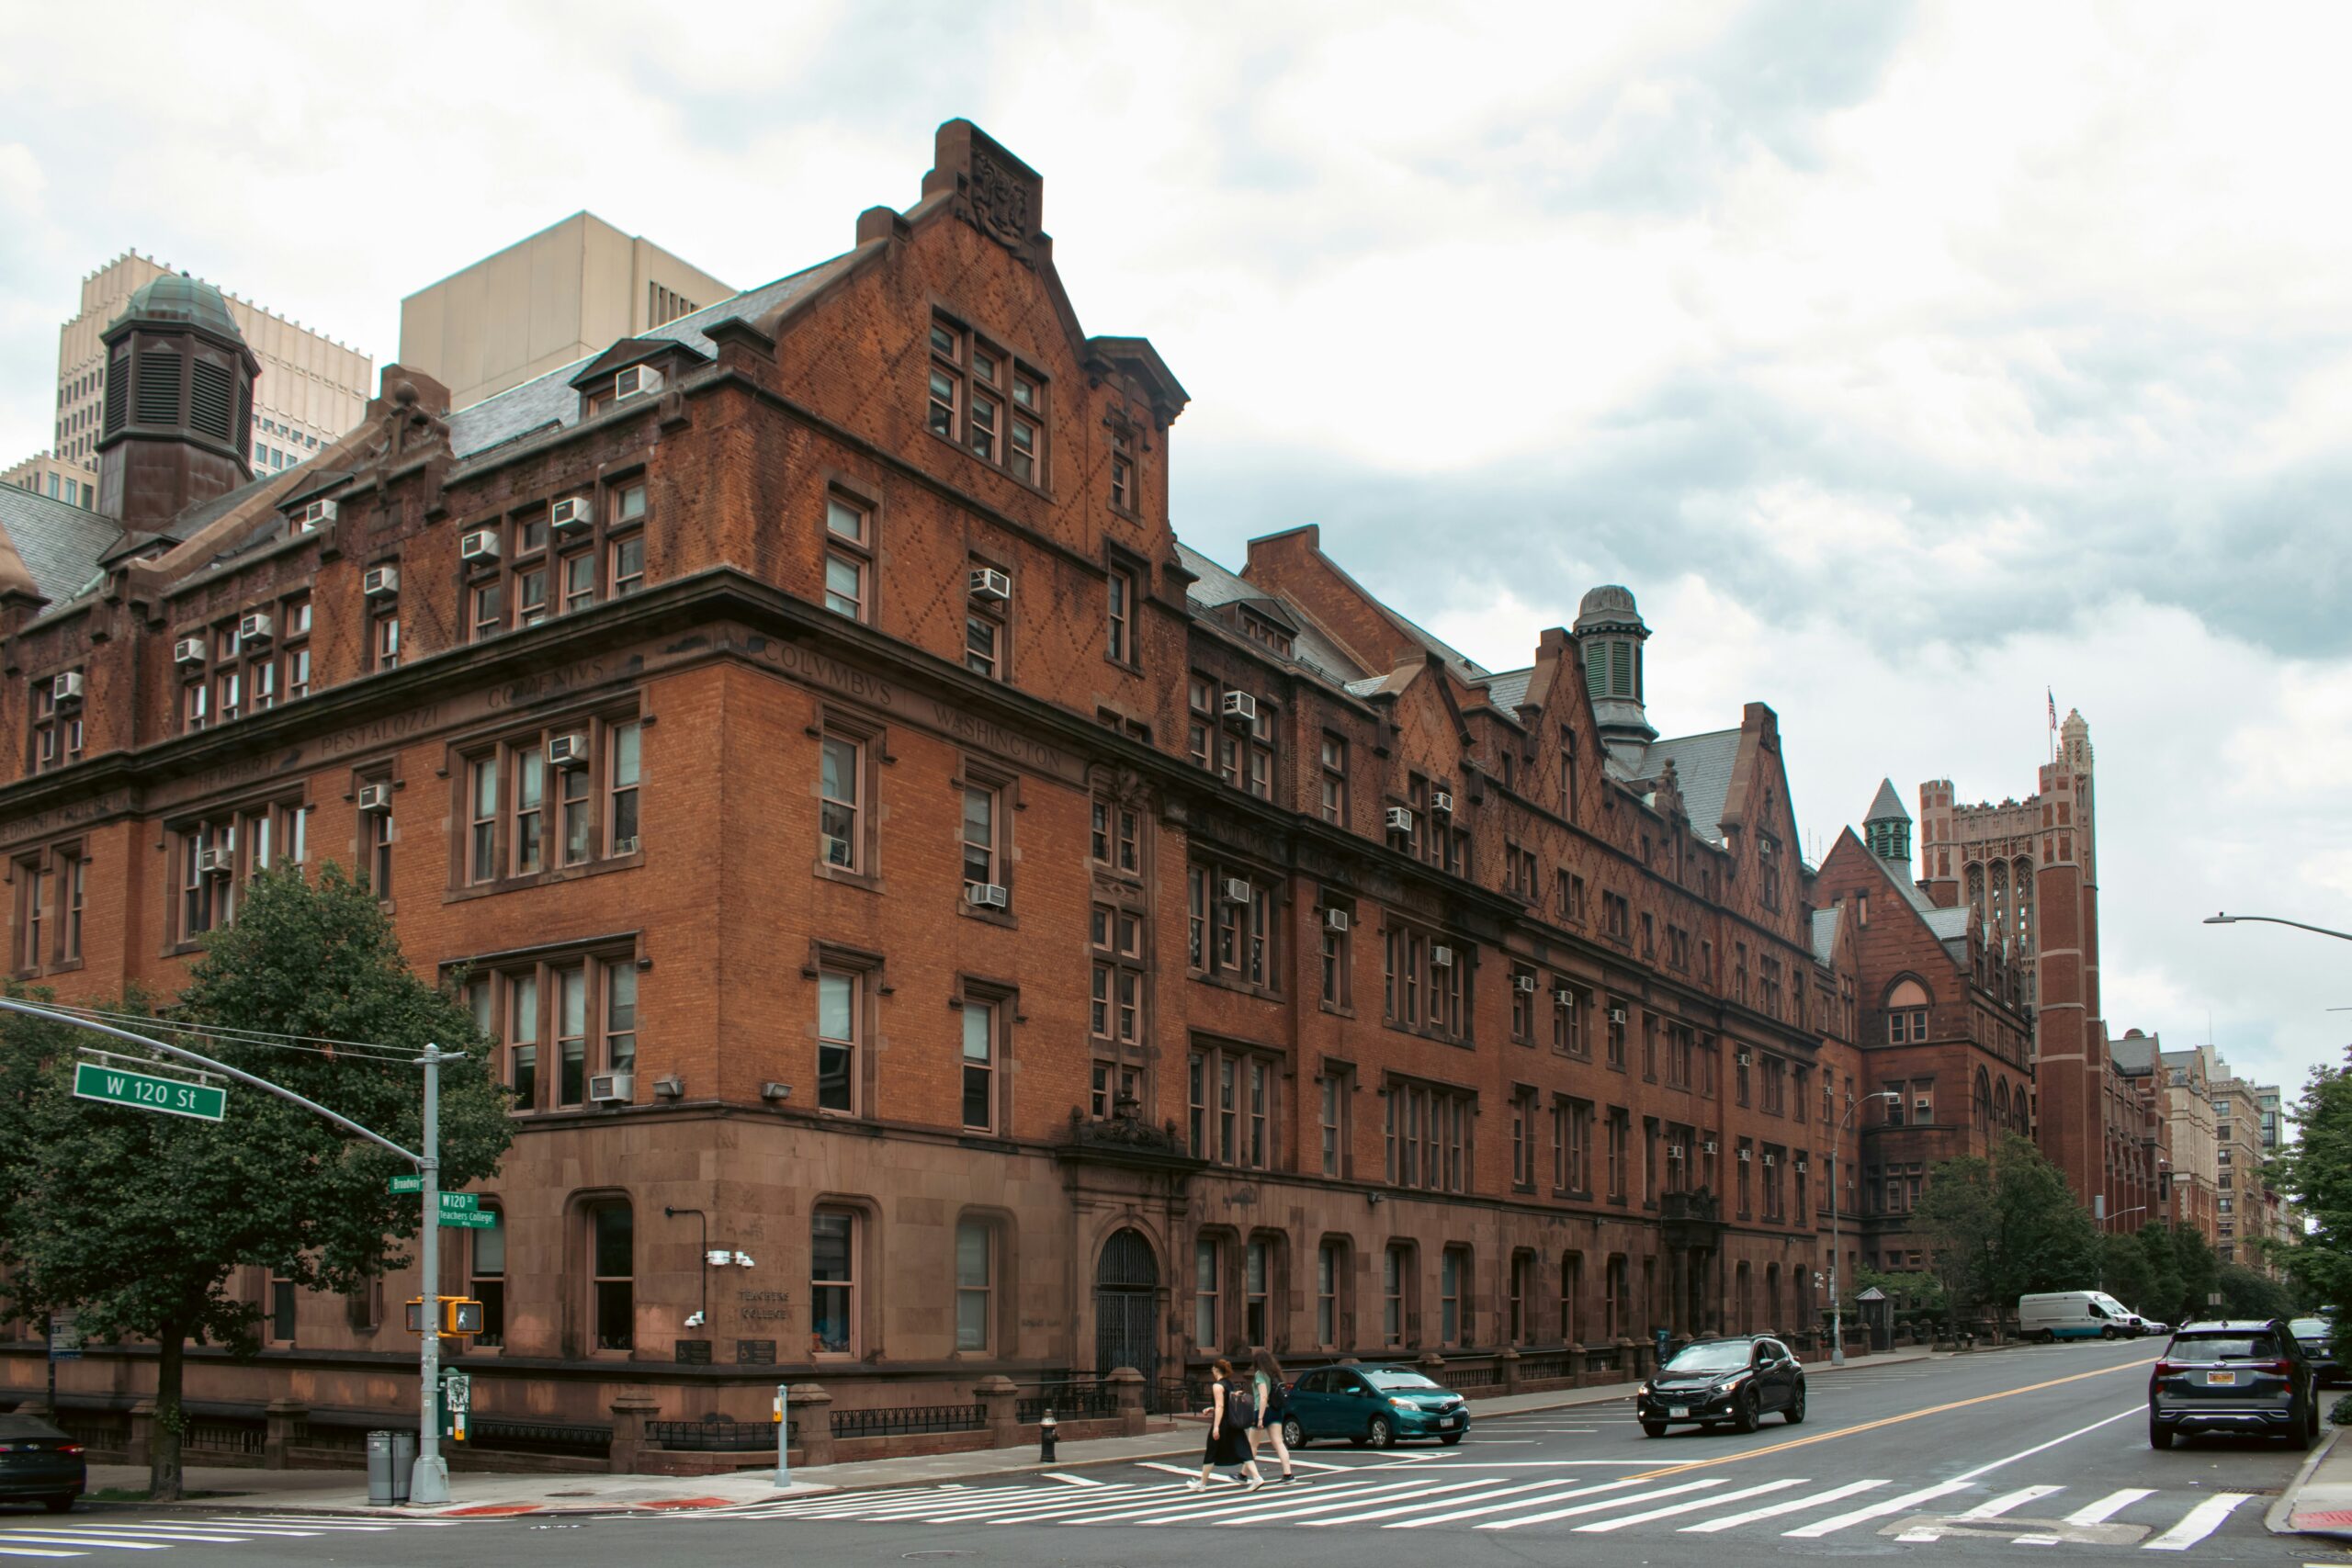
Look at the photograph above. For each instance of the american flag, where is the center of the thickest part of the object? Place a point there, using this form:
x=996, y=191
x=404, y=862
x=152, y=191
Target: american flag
x=2053, y=695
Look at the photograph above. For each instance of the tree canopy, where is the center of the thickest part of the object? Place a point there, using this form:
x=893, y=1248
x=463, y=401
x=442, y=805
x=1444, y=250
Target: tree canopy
x=2001, y=1228
x=137, y=1222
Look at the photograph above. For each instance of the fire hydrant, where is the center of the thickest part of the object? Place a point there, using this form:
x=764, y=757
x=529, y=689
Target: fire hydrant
x=1046, y=1440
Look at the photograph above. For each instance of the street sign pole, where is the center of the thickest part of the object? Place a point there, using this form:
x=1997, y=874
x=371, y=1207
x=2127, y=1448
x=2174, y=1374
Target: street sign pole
x=783, y=1435
x=429, y=1481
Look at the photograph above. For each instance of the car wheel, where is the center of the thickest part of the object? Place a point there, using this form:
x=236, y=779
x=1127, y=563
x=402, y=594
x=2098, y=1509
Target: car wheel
x=2306, y=1431
x=1742, y=1418
x=2045, y=1337
x=58, y=1505
x=1293, y=1434
x=1794, y=1414
x=1450, y=1438
x=2159, y=1435
x=2107, y=1332
x=1655, y=1429
x=1381, y=1435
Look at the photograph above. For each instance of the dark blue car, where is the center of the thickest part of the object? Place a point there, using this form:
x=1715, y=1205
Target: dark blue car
x=1373, y=1407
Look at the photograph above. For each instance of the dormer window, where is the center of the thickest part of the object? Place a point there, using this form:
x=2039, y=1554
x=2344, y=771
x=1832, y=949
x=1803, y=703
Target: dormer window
x=985, y=401
x=627, y=382
x=1265, y=631
x=309, y=518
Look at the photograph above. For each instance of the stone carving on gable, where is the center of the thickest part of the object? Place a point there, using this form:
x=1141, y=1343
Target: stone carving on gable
x=1000, y=199
x=410, y=427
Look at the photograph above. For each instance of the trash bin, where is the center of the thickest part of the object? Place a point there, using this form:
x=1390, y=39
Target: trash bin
x=403, y=1463
x=386, y=1484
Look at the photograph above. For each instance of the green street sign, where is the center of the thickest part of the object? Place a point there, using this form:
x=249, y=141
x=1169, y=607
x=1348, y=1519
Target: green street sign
x=408, y=1184
x=174, y=1096
x=468, y=1220
x=459, y=1200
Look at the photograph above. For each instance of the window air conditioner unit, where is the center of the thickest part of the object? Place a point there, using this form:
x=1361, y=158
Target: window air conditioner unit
x=1240, y=709
x=375, y=798
x=1743, y=1059
x=1707, y=1147
x=625, y=846
x=306, y=519
x=381, y=582
x=189, y=650
x=1922, y=1105
x=256, y=627
x=479, y=545
x=1335, y=919
x=991, y=586
x=1747, y=1156
x=1676, y=1152
x=216, y=863
x=1801, y=1168
x=1234, y=891
x=1400, y=820
x=1443, y=801
x=836, y=850
x=1769, y=1160
x=571, y=512
x=607, y=1088
x=635, y=380
x=65, y=688
x=1523, y=983
x=1563, y=996
x=1616, y=1015
x=986, y=896
x=568, y=751
x=1440, y=956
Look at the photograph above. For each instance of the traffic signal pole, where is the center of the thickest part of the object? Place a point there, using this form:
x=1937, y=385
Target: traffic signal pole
x=429, y=1481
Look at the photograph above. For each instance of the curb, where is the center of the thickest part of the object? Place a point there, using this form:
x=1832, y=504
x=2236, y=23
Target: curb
x=2279, y=1519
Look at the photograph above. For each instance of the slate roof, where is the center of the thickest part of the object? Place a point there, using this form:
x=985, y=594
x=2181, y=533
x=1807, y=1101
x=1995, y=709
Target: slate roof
x=2133, y=1053
x=1703, y=769
x=1214, y=587
x=1825, y=933
x=1507, y=690
x=60, y=544
x=1886, y=805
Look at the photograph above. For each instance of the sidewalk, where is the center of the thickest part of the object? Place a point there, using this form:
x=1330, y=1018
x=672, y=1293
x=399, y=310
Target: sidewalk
x=477, y=1494
x=2319, y=1500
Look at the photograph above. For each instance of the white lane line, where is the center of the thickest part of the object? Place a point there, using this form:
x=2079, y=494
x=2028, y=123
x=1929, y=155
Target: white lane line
x=2070, y=1437
x=343, y=1522
x=1691, y=1506
x=2198, y=1522
x=1548, y=1515
x=1505, y=1507
x=1293, y=1513
x=1793, y=1506
x=2000, y=1506
x=41, y=1538
x=1073, y=1480
x=1421, y=1507
x=1876, y=1510
x=2107, y=1508
x=142, y=1532
x=1503, y=1443
x=36, y=1551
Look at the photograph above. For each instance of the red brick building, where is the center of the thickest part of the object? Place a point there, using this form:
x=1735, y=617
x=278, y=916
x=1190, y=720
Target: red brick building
x=867, y=833
x=1941, y=1027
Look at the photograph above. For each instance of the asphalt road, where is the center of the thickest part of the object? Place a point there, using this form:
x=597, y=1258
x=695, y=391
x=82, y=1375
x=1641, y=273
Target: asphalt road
x=2032, y=1453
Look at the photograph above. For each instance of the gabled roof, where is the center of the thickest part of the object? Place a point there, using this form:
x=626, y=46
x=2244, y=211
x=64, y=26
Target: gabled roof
x=1509, y=690
x=1214, y=587
x=60, y=544
x=1703, y=765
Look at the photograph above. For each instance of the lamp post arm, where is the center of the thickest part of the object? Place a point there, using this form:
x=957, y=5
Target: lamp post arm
x=2276, y=920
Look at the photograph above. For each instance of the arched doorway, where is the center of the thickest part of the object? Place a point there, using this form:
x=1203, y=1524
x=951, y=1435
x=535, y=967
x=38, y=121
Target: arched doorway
x=1126, y=1310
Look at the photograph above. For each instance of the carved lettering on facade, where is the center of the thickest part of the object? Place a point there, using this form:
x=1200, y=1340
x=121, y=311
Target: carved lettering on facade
x=392, y=727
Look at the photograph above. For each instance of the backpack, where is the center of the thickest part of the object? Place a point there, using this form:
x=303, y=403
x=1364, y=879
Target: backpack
x=1240, y=1409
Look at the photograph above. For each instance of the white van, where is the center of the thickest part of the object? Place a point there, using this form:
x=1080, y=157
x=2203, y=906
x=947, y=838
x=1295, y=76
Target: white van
x=2077, y=1314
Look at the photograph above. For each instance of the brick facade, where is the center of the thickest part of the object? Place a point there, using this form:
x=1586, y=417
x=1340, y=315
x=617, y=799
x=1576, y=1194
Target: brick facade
x=1116, y=1115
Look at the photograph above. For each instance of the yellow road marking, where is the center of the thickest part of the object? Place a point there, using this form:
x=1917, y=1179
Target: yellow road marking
x=1884, y=1421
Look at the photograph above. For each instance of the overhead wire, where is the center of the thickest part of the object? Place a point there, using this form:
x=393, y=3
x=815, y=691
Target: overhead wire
x=359, y=1050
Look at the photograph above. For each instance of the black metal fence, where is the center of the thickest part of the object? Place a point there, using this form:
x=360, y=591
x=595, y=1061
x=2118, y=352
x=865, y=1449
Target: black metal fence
x=909, y=1420
x=223, y=1438
x=1178, y=1396
x=539, y=1437
x=1071, y=1399
x=712, y=1434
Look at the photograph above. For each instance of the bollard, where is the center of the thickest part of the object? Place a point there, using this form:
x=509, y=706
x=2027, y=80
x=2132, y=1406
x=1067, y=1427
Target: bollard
x=1046, y=1440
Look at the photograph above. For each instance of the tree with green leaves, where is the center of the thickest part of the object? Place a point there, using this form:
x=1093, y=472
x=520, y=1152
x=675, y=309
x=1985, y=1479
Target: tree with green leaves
x=2316, y=1172
x=2005, y=1227
x=137, y=1222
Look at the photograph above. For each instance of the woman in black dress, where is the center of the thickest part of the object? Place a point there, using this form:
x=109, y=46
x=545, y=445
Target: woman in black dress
x=1228, y=1445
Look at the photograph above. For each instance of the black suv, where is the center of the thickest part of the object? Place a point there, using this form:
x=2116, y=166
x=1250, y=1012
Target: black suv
x=2233, y=1376
x=1733, y=1381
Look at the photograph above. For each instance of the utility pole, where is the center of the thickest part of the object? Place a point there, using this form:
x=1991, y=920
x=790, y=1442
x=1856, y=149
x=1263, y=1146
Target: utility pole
x=429, y=1479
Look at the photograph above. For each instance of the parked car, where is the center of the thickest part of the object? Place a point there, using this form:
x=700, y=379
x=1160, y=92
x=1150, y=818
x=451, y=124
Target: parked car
x=2079, y=1315
x=2233, y=1376
x=2317, y=1335
x=40, y=1463
x=1732, y=1382
x=1373, y=1407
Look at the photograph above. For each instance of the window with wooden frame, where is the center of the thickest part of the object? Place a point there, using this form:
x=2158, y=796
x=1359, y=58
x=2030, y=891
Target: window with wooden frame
x=987, y=402
x=612, y=1278
x=1230, y=926
x=1231, y=733
x=1522, y=1139
x=1572, y=1146
x=1396, y=1282
x=1208, y=1292
x=1116, y=936
x=550, y=799
x=1621, y=1138
x=1125, y=497
x=1650, y=1047
x=1618, y=1015
x=986, y=834
x=1335, y=1094
x=1331, y=1278
x=1119, y=623
x=1523, y=988
x=1567, y=782
x=486, y=1278
x=1454, y=1275
x=1114, y=830
x=555, y=1019
x=1570, y=898
x=1337, y=922
x=986, y=1027
x=844, y=823
x=841, y=1038
x=1230, y=1103
x=988, y=623
x=848, y=556
x=976, y=1273
x=1426, y=1131
x=1571, y=1006
x=56, y=721
x=33, y=881
x=1615, y=912
x=1333, y=797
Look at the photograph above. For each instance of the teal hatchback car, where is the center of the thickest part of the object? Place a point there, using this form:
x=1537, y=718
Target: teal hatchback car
x=1371, y=1407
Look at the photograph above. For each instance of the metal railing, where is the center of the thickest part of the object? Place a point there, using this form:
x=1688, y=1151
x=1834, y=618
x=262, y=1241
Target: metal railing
x=222, y=1438
x=712, y=1434
x=1074, y=1399
x=539, y=1437
x=909, y=1420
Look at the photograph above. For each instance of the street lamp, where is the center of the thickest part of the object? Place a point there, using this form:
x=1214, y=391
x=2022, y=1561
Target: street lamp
x=2273, y=920
x=2102, y=1226
x=1837, y=1196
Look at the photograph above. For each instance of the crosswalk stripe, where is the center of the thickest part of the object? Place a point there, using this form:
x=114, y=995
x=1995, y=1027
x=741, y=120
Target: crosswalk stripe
x=2198, y=1522
x=1505, y=1508
x=2107, y=1508
x=1546, y=1517
x=984, y=1502
x=1161, y=1512
x=1694, y=1504
x=1010, y=1507
x=142, y=1532
x=1418, y=1507
x=2000, y=1506
x=1072, y=1480
x=36, y=1551
x=1878, y=1510
x=1305, y=1508
x=1793, y=1506
x=43, y=1538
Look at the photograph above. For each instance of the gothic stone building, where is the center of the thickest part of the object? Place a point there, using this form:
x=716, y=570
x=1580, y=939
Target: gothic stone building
x=857, y=817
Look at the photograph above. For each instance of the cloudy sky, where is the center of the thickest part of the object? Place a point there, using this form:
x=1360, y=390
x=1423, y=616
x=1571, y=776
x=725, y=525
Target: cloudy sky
x=1904, y=361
